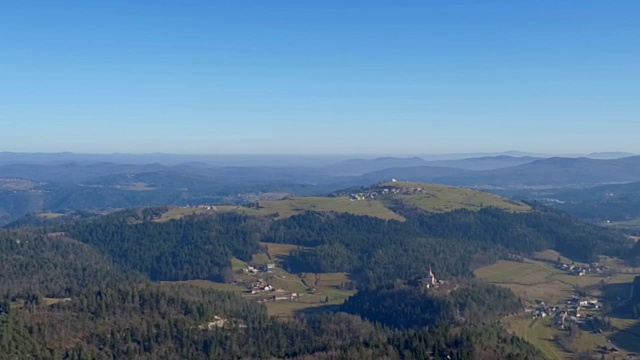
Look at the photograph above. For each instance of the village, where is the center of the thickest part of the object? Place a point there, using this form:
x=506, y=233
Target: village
x=576, y=310
x=593, y=268
x=377, y=192
x=584, y=312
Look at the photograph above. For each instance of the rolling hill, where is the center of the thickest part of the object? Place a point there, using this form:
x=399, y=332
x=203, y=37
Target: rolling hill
x=375, y=201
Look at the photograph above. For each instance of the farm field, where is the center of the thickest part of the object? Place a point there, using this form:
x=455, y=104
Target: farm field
x=538, y=333
x=329, y=289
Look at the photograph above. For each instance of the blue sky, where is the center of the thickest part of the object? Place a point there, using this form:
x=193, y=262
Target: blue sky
x=323, y=77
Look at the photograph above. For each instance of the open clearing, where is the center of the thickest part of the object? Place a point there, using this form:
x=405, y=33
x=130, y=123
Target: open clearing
x=50, y=215
x=330, y=288
x=280, y=250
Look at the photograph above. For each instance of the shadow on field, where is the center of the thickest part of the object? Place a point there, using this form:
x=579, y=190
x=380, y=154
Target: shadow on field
x=617, y=292
x=628, y=338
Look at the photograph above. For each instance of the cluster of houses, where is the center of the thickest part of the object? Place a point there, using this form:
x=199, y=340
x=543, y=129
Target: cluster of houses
x=572, y=311
x=292, y=296
x=208, y=207
x=279, y=294
x=582, y=270
x=217, y=322
x=388, y=190
x=261, y=286
x=267, y=268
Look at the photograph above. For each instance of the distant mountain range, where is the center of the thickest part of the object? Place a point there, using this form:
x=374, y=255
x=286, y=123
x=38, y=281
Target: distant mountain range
x=498, y=171
x=258, y=160
x=58, y=185
x=556, y=172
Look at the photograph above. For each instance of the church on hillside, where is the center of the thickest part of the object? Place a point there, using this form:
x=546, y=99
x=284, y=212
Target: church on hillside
x=430, y=281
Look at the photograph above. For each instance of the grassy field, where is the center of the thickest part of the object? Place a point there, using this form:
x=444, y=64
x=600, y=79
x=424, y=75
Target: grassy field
x=538, y=333
x=50, y=215
x=530, y=280
x=289, y=207
x=441, y=198
x=325, y=283
x=533, y=279
x=279, y=250
x=528, y=272
x=237, y=264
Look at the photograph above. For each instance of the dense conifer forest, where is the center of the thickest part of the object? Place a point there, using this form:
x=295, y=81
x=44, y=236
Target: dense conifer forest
x=86, y=288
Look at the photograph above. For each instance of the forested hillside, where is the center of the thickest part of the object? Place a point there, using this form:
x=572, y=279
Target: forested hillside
x=402, y=306
x=61, y=299
x=83, y=287
x=378, y=252
x=197, y=247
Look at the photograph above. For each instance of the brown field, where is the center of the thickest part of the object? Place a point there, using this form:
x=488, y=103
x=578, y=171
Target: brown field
x=279, y=250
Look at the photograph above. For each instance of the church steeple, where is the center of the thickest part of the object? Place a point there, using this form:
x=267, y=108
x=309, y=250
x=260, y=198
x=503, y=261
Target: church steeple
x=432, y=277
